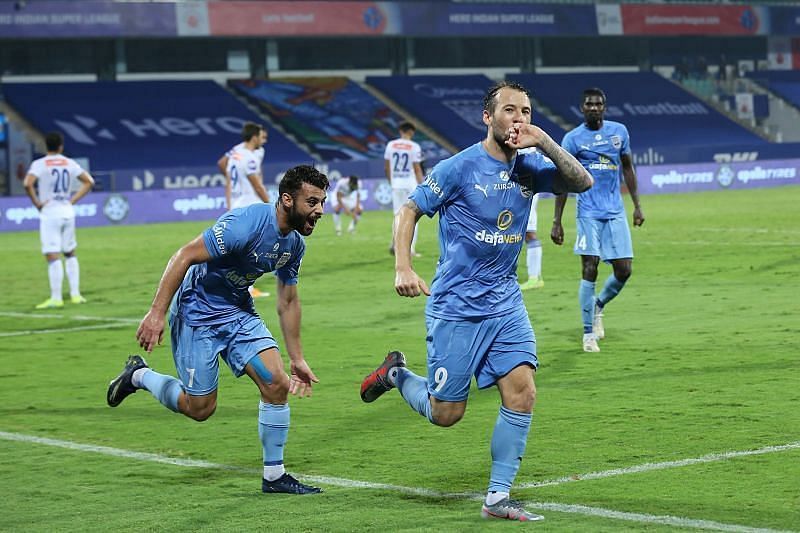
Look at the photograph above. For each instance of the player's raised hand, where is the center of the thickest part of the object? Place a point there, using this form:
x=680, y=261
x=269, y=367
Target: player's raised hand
x=523, y=135
x=408, y=283
x=638, y=216
x=301, y=379
x=151, y=330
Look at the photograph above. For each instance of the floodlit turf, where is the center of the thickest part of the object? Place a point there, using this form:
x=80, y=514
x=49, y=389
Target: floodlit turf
x=701, y=358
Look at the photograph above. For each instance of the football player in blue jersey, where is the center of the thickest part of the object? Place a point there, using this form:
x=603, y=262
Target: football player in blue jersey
x=603, y=148
x=476, y=320
x=211, y=313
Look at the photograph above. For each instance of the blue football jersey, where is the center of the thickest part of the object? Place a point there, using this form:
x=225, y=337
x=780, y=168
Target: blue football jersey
x=244, y=243
x=600, y=152
x=483, y=207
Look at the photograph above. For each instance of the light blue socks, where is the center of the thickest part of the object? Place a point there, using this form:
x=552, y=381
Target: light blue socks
x=610, y=290
x=165, y=389
x=586, y=300
x=508, y=446
x=414, y=390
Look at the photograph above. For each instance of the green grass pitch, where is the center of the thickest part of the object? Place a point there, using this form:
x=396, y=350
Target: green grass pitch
x=701, y=357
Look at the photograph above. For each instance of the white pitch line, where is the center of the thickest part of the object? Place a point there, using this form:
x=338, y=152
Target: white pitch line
x=418, y=491
x=61, y=330
x=666, y=520
x=647, y=467
x=70, y=317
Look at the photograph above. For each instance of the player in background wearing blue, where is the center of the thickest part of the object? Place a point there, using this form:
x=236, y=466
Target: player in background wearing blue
x=603, y=148
x=211, y=313
x=475, y=317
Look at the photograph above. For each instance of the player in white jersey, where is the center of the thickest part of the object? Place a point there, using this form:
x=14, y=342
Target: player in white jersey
x=403, y=167
x=54, y=174
x=534, y=251
x=347, y=197
x=243, y=181
x=242, y=168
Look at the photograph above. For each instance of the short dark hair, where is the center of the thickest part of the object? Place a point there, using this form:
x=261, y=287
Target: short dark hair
x=594, y=91
x=53, y=141
x=353, y=182
x=407, y=126
x=489, y=100
x=251, y=129
x=294, y=178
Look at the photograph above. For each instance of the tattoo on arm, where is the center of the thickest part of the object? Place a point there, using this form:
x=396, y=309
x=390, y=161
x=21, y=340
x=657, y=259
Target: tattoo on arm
x=411, y=204
x=574, y=178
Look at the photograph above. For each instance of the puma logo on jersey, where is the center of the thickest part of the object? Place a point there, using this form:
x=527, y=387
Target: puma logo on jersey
x=483, y=189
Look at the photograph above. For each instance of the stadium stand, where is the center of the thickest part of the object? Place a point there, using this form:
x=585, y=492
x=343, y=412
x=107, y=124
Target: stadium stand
x=334, y=116
x=451, y=105
x=118, y=125
x=784, y=83
x=658, y=113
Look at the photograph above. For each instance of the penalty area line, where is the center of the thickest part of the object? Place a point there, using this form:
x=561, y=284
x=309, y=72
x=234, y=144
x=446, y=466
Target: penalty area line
x=418, y=491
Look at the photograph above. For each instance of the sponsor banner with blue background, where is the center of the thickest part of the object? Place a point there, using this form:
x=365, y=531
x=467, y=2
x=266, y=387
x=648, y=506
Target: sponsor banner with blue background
x=713, y=177
x=473, y=19
x=163, y=205
x=48, y=18
x=210, y=176
x=178, y=205
x=119, y=125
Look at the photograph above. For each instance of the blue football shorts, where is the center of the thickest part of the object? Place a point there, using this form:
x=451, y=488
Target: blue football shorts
x=604, y=238
x=487, y=349
x=195, y=349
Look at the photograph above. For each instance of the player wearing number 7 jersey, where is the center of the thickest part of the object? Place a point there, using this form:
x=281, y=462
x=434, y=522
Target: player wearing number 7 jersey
x=55, y=174
x=476, y=320
x=403, y=167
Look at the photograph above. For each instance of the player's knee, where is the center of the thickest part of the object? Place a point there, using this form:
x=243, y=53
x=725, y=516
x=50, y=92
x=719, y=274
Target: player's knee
x=590, y=272
x=622, y=273
x=201, y=413
x=446, y=417
x=277, y=391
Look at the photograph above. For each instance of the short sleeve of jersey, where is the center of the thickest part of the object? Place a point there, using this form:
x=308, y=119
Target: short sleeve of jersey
x=75, y=169
x=229, y=235
x=626, y=141
x=568, y=144
x=416, y=154
x=440, y=185
x=536, y=169
x=387, y=152
x=252, y=164
x=289, y=272
x=36, y=168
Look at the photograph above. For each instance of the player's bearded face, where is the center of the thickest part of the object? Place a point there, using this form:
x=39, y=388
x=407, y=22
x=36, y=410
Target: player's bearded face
x=512, y=107
x=306, y=209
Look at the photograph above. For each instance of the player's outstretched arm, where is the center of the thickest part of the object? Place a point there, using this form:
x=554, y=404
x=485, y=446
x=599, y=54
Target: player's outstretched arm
x=406, y=281
x=629, y=175
x=151, y=328
x=289, y=313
